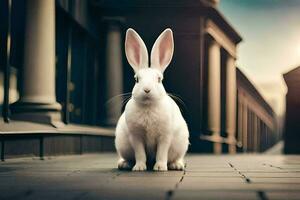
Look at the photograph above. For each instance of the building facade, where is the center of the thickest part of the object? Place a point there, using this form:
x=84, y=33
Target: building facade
x=70, y=61
x=257, y=123
x=292, y=125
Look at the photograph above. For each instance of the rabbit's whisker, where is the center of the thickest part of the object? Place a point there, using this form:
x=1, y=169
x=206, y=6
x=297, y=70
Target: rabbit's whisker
x=123, y=95
x=125, y=101
x=178, y=99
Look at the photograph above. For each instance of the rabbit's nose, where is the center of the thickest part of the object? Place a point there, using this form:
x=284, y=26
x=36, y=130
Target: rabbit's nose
x=147, y=90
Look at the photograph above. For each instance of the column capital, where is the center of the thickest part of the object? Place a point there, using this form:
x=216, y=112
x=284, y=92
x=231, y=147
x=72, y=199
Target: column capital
x=215, y=32
x=212, y=41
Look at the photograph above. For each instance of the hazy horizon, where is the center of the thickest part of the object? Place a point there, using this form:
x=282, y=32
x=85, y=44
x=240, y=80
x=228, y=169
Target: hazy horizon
x=271, y=42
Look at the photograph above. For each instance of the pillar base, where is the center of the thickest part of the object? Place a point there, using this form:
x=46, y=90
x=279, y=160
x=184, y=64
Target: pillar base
x=217, y=148
x=231, y=142
x=231, y=149
x=37, y=112
x=216, y=140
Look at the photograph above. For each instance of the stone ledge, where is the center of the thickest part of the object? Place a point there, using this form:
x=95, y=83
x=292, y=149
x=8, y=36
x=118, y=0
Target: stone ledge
x=29, y=139
x=24, y=127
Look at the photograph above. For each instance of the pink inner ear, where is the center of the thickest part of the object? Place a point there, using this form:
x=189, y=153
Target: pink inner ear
x=165, y=50
x=133, y=48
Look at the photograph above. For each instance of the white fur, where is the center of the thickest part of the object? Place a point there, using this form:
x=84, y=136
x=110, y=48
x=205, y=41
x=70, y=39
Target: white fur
x=151, y=127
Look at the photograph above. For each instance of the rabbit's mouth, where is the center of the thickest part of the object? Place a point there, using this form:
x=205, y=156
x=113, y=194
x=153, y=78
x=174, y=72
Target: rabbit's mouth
x=146, y=97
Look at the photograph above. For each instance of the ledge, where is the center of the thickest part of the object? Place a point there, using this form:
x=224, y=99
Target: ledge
x=218, y=139
x=23, y=127
x=30, y=139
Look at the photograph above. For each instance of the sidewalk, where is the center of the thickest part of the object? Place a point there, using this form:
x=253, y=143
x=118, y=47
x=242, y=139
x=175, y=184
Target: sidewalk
x=95, y=176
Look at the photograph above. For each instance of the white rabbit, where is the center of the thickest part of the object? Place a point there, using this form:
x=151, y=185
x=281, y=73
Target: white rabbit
x=151, y=129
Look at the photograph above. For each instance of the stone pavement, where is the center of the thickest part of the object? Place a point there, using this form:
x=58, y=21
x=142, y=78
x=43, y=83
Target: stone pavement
x=94, y=176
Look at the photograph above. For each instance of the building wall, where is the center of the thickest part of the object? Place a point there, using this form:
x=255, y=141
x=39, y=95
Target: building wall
x=256, y=124
x=292, y=125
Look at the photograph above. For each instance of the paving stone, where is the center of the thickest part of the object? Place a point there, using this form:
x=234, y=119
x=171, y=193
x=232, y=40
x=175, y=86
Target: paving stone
x=239, y=186
x=260, y=170
x=151, y=174
x=291, y=170
x=291, y=166
x=221, y=170
x=212, y=174
x=274, y=187
x=276, y=180
x=113, y=194
x=272, y=175
x=166, y=183
x=214, y=195
x=204, y=180
x=197, y=185
x=283, y=195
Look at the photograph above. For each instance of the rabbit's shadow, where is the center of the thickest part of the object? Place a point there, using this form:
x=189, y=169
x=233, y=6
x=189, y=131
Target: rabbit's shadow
x=150, y=164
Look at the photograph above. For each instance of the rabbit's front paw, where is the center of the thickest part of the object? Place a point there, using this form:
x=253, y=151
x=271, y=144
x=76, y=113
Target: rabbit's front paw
x=177, y=165
x=140, y=166
x=124, y=165
x=160, y=166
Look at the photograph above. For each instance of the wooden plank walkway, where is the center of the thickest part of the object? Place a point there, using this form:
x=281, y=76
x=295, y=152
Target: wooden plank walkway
x=94, y=176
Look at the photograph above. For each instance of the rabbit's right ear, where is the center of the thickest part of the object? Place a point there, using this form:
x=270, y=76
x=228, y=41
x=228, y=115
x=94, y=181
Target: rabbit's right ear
x=162, y=50
x=135, y=50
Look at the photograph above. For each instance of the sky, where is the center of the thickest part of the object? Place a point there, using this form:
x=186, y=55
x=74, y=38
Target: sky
x=271, y=42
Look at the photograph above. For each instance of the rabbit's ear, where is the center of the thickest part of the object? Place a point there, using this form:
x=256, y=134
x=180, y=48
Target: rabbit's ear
x=162, y=50
x=135, y=50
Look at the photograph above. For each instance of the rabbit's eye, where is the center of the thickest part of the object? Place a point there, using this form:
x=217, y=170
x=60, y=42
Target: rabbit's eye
x=136, y=79
x=159, y=79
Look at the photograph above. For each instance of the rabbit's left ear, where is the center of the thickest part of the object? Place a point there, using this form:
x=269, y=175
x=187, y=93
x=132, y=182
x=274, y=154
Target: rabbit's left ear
x=162, y=50
x=135, y=50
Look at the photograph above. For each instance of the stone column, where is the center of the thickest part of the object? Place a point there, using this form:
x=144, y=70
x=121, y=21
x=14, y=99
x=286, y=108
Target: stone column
x=255, y=135
x=114, y=71
x=240, y=122
x=231, y=92
x=258, y=134
x=37, y=98
x=214, y=94
x=245, y=127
